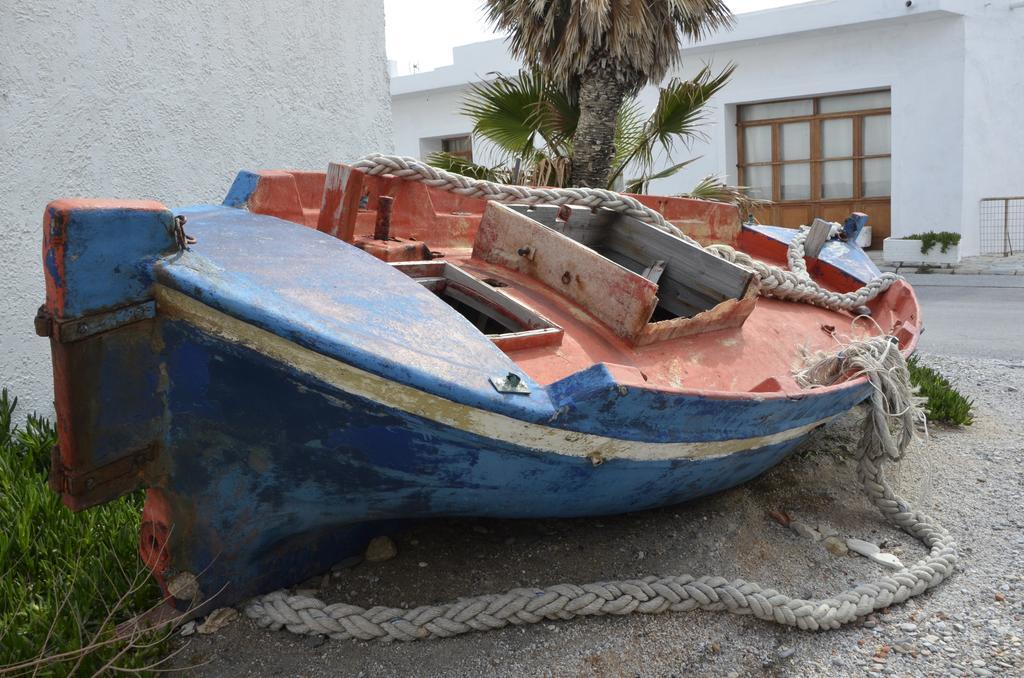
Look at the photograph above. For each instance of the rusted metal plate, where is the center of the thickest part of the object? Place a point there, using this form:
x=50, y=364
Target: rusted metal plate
x=395, y=249
x=98, y=484
x=97, y=323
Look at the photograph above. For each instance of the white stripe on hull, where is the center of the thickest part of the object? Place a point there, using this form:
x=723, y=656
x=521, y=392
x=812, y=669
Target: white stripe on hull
x=447, y=412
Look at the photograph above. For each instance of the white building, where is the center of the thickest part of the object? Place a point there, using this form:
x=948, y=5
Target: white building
x=165, y=100
x=909, y=111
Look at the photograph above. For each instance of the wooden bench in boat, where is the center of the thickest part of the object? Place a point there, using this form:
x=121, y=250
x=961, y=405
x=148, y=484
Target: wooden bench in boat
x=509, y=324
x=642, y=283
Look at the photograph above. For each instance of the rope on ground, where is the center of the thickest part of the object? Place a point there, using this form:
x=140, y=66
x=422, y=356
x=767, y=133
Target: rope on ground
x=791, y=285
x=892, y=404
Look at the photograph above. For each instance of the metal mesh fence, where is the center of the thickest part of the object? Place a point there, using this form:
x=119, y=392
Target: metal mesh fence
x=1002, y=225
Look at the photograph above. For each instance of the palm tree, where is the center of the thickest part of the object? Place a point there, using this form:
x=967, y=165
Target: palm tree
x=532, y=123
x=602, y=51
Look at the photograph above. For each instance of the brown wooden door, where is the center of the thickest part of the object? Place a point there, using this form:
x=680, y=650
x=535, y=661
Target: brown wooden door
x=818, y=157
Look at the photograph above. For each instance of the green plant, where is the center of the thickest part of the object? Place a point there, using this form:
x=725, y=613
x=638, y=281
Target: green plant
x=715, y=188
x=945, y=403
x=602, y=53
x=943, y=238
x=66, y=579
x=532, y=123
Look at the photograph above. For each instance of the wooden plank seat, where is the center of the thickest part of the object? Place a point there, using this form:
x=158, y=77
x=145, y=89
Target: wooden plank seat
x=642, y=283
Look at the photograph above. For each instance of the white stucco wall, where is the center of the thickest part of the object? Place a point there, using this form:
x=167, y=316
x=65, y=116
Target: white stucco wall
x=426, y=105
x=955, y=68
x=994, y=96
x=921, y=61
x=166, y=100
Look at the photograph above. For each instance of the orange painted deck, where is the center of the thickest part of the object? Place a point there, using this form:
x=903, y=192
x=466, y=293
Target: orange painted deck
x=757, y=357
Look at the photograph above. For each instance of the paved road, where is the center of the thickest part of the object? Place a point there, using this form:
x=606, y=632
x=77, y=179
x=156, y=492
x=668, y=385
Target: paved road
x=972, y=315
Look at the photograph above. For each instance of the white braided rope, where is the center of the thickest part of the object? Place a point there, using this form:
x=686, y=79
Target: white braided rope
x=791, y=285
x=892, y=401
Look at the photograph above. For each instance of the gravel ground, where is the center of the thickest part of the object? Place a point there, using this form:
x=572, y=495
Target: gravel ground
x=970, y=479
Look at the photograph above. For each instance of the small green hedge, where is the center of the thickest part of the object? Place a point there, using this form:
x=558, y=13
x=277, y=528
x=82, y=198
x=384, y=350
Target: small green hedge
x=945, y=239
x=66, y=579
x=945, y=403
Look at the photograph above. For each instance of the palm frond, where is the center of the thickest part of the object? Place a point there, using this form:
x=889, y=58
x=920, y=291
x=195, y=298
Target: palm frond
x=629, y=136
x=555, y=117
x=640, y=184
x=504, y=110
x=716, y=188
x=513, y=111
x=677, y=117
x=459, y=165
x=638, y=40
x=681, y=110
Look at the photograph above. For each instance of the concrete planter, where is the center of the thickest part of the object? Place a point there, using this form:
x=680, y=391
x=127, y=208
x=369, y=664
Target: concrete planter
x=908, y=252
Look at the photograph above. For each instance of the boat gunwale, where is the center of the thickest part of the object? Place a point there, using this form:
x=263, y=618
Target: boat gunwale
x=538, y=436
x=711, y=394
x=662, y=388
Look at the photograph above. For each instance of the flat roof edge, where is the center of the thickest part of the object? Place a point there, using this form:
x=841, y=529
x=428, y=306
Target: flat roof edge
x=472, y=62
x=772, y=24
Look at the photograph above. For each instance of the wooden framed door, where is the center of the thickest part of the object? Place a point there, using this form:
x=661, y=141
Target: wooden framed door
x=818, y=157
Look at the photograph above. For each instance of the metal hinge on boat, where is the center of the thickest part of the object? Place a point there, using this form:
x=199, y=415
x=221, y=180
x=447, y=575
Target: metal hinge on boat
x=100, y=483
x=67, y=331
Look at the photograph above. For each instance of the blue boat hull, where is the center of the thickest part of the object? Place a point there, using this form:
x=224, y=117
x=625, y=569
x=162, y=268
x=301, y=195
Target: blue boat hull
x=276, y=487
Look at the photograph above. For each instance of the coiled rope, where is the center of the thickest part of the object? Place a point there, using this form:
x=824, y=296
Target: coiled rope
x=892, y=404
x=792, y=285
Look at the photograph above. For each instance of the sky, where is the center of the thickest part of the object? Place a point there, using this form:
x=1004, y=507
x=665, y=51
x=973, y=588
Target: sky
x=420, y=34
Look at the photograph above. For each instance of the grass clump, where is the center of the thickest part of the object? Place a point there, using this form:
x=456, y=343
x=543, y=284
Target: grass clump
x=945, y=240
x=66, y=579
x=945, y=403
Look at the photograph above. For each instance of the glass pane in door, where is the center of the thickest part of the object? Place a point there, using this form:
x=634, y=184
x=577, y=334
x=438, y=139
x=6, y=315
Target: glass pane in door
x=757, y=144
x=837, y=138
x=777, y=109
x=837, y=179
x=795, y=141
x=876, y=177
x=855, y=102
x=758, y=180
x=796, y=181
x=877, y=135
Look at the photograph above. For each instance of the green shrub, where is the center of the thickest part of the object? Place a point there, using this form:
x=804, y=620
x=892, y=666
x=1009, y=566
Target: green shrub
x=66, y=579
x=945, y=403
x=945, y=239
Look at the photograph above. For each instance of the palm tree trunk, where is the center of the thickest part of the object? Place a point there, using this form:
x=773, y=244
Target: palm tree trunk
x=601, y=95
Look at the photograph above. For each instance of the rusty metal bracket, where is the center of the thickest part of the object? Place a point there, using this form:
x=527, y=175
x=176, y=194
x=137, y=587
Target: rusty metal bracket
x=68, y=331
x=382, y=228
x=43, y=322
x=100, y=483
x=180, y=237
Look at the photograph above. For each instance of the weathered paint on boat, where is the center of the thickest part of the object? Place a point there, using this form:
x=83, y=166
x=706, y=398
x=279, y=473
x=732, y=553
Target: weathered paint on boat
x=845, y=257
x=292, y=396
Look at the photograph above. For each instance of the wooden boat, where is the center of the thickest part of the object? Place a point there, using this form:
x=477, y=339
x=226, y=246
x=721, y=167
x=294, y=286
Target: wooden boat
x=285, y=395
